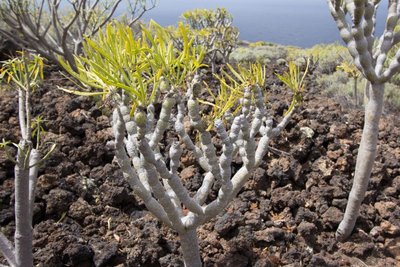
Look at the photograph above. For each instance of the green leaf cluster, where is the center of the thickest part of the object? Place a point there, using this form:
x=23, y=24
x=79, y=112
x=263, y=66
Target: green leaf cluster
x=25, y=71
x=118, y=61
x=173, y=64
x=38, y=129
x=350, y=69
x=232, y=85
x=213, y=30
x=247, y=76
x=295, y=81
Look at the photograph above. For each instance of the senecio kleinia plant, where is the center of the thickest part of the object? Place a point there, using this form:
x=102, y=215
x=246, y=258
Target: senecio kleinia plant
x=136, y=73
x=356, y=20
x=25, y=73
x=213, y=30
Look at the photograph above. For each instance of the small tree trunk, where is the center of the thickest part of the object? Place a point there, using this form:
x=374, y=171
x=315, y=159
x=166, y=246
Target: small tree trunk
x=355, y=92
x=190, y=248
x=23, y=221
x=366, y=92
x=33, y=173
x=365, y=160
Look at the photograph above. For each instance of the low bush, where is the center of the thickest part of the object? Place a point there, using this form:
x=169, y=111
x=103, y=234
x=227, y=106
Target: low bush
x=327, y=56
x=264, y=54
x=213, y=30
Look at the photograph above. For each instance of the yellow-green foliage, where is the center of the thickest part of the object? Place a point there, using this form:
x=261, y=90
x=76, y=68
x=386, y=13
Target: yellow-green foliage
x=213, y=30
x=117, y=60
x=25, y=71
x=199, y=19
x=327, y=56
x=264, y=54
x=295, y=81
x=350, y=69
x=225, y=100
x=231, y=89
x=260, y=43
x=247, y=76
x=165, y=60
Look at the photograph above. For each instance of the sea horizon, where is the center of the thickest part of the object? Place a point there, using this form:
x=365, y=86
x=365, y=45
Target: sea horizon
x=288, y=22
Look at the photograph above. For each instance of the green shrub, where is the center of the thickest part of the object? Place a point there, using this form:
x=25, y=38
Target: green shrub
x=213, y=30
x=327, y=56
x=261, y=43
x=392, y=94
x=263, y=54
x=338, y=84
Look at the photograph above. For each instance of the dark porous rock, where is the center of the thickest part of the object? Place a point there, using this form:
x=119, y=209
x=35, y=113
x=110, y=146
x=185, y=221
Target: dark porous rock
x=6, y=215
x=79, y=210
x=306, y=229
x=280, y=197
x=78, y=255
x=339, y=203
x=228, y=223
x=306, y=215
x=116, y=196
x=385, y=208
x=264, y=262
x=321, y=259
x=359, y=245
x=258, y=181
x=233, y=260
x=45, y=183
x=58, y=201
x=331, y=218
x=269, y=235
x=171, y=260
x=104, y=253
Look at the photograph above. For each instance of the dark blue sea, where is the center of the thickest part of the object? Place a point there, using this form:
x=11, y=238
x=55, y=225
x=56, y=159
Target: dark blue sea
x=302, y=23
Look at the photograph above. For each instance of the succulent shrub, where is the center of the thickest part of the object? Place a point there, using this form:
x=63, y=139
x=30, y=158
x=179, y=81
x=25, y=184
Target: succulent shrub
x=24, y=73
x=135, y=72
x=213, y=30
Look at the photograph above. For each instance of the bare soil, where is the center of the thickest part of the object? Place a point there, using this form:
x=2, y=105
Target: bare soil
x=286, y=215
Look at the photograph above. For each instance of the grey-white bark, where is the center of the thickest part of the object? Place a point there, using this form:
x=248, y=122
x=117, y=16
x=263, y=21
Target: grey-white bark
x=365, y=160
x=8, y=250
x=23, y=221
x=190, y=248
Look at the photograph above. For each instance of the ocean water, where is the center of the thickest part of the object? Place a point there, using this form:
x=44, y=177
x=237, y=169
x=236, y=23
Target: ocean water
x=301, y=23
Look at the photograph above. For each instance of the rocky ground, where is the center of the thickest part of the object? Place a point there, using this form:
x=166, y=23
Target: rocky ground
x=286, y=215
